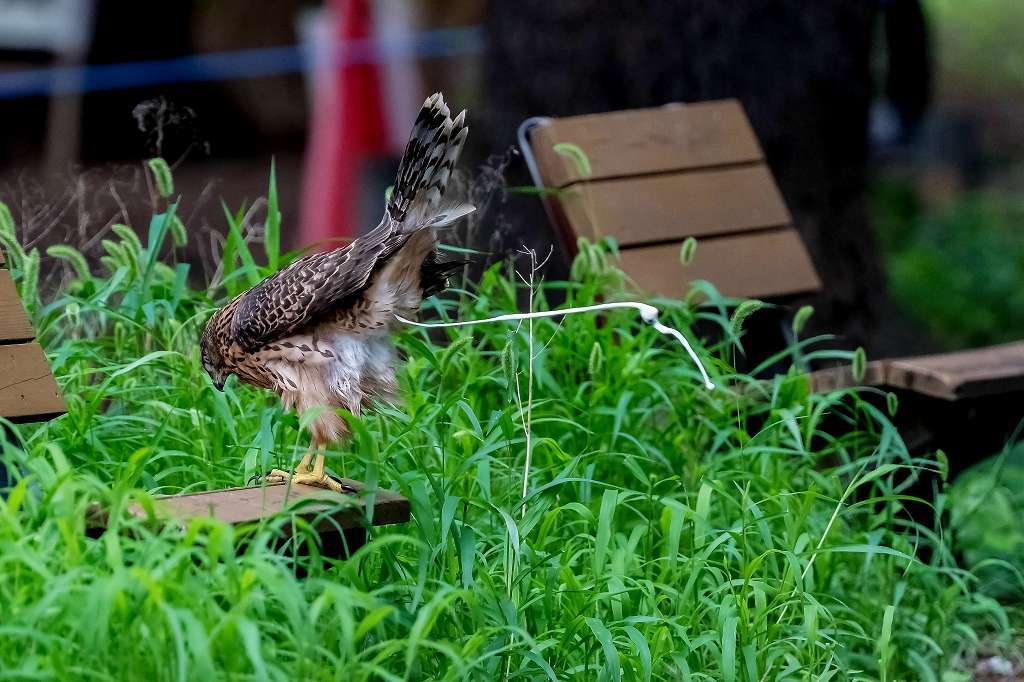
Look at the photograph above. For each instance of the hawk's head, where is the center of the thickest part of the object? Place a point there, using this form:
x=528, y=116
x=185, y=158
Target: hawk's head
x=210, y=353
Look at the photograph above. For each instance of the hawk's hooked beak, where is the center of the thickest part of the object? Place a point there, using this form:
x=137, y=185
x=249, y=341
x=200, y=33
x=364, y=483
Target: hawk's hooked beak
x=219, y=384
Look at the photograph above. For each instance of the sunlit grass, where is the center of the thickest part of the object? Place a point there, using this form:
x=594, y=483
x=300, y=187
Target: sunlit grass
x=750, y=533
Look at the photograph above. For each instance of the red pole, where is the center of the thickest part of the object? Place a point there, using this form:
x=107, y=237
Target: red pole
x=348, y=127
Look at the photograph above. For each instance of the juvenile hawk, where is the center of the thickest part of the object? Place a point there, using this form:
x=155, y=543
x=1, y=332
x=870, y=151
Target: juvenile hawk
x=317, y=332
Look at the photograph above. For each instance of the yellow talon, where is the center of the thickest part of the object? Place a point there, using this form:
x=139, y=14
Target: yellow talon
x=310, y=471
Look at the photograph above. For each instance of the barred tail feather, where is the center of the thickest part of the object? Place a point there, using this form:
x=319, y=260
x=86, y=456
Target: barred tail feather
x=426, y=167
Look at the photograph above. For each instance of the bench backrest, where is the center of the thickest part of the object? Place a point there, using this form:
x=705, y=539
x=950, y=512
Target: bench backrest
x=658, y=176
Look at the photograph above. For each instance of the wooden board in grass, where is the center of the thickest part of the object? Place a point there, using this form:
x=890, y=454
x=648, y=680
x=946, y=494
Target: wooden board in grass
x=654, y=177
x=341, y=521
x=316, y=505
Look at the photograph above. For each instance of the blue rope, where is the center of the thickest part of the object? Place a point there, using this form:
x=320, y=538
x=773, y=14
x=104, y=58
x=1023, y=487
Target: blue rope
x=217, y=66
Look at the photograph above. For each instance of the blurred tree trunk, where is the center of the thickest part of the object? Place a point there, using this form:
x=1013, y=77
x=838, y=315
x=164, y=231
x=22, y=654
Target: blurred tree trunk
x=801, y=70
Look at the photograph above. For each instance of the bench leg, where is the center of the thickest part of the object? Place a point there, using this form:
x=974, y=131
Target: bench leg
x=344, y=544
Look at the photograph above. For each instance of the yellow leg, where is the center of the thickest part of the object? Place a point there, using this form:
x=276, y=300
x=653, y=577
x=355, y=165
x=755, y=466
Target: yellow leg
x=310, y=471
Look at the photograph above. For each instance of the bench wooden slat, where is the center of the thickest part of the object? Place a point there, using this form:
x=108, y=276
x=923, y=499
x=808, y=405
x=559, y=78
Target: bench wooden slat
x=659, y=208
x=835, y=378
x=769, y=263
x=963, y=374
x=973, y=373
x=14, y=324
x=28, y=391
x=642, y=141
x=245, y=505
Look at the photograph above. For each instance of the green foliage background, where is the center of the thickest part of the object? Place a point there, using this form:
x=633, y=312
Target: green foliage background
x=957, y=271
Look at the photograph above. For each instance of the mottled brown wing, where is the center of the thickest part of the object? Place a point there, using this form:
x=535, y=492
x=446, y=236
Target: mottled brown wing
x=311, y=286
x=301, y=293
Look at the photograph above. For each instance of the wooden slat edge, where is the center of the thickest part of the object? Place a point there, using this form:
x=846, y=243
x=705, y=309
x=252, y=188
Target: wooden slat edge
x=767, y=264
x=976, y=372
x=914, y=376
x=639, y=141
x=919, y=380
x=28, y=391
x=673, y=206
x=311, y=504
x=14, y=323
x=837, y=378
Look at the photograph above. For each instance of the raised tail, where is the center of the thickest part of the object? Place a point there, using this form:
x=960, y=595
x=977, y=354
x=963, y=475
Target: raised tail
x=417, y=198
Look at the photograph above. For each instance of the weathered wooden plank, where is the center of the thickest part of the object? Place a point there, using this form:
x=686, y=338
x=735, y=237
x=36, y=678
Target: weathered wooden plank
x=14, y=324
x=28, y=391
x=316, y=505
x=964, y=374
x=642, y=141
x=764, y=264
x=990, y=371
x=834, y=378
x=669, y=207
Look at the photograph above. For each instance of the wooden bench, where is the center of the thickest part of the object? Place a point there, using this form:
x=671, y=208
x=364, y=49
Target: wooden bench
x=651, y=178
x=29, y=393
x=658, y=176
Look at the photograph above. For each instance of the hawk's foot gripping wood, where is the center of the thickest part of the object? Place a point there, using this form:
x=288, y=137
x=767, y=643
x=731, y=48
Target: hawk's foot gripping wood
x=310, y=471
